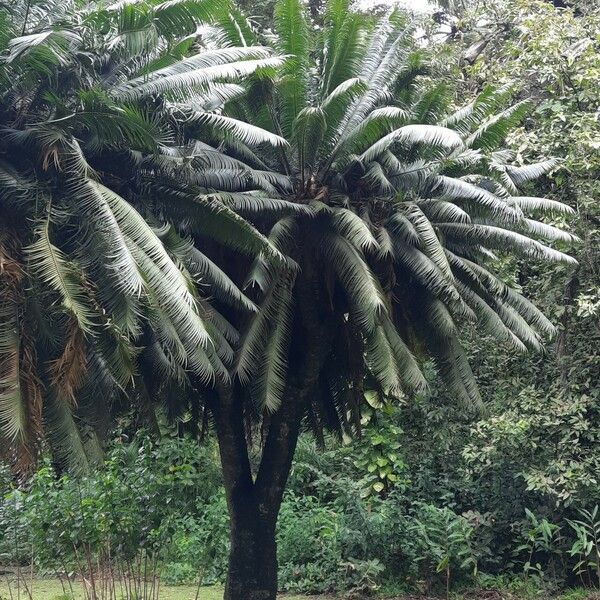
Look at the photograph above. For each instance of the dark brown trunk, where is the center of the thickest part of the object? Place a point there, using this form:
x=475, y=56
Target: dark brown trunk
x=252, y=573
x=254, y=505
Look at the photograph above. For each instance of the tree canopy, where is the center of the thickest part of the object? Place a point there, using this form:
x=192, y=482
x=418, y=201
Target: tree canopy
x=259, y=231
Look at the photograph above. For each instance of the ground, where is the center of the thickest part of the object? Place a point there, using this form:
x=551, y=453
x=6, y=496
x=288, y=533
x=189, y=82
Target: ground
x=49, y=589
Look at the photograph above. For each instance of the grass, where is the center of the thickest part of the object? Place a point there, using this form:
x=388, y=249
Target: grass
x=51, y=589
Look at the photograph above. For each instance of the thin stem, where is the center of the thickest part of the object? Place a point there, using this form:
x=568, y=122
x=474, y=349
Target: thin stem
x=26, y=17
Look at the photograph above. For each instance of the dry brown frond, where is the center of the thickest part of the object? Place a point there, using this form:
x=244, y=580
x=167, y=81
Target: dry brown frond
x=67, y=371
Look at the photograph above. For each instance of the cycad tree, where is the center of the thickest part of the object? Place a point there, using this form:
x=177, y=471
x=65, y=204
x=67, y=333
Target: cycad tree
x=390, y=210
x=361, y=216
x=94, y=290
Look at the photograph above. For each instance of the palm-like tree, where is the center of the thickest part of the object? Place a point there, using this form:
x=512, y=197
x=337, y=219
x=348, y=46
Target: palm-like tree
x=390, y=210
x=362, y=216
x=94, y=291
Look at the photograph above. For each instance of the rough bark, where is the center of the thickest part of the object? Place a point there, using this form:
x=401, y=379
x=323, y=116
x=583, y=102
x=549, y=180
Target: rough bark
x=252, y=572
x=254, y=505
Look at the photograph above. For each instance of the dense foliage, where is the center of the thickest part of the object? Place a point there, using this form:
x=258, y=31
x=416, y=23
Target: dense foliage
x=443, y=525
x=96, y=289
x=352, y=167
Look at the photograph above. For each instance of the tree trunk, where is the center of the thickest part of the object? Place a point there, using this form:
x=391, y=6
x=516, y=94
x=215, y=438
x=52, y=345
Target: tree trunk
x=254, y=505
x=252, y=573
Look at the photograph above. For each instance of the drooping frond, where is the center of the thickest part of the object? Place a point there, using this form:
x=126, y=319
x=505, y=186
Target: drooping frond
x=53, y=267
x=535, y=206
x=228, y=64
x=215, y=282
x=414, y=134
x=521, y=175
x=245, y=132
x=13, y=414
x=269, y=383
x=502, y=239
x=357, y=279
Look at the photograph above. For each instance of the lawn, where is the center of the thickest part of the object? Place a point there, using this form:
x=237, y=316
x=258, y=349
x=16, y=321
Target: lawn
x=51, y=589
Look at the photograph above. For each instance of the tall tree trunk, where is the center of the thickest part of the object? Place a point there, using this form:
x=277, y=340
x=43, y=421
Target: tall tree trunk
x=252, y=572
x=254, y=505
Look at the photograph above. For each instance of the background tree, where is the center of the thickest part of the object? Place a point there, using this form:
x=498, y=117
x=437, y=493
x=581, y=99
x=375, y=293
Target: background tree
x=91, y=293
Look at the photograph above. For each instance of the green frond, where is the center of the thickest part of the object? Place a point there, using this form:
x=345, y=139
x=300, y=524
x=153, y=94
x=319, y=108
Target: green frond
x=379, y=358
x=489, y=319
x=179, y=17
x=215, y=282
x=119, y=126
x=441, y=210
x=401, y=230
x=376, y=177
x=259, y=205
x=227, y=64
x=344, y=45
x=354, y=229
x=135, y=228
x=228, y=331
x=492, y=132
x=233, y=28
x=244, y=132
x=268, y=386
x=431, y=105
x=372, y=128
x=63, y=434
x=215, y=220
x=534, y=206
x=521, y=175
x=43, y=51
x=413, y=176
x=358, y=281
x=502, y=239
x=13, y=414
x=345, y=91
x=457, y=375
x=391, y=362
x=263, y=271
x=274, y=308
x=505, y=294
x=548, y=232
x=309, y=129
x=116, y=248
x=16, y=190
x=408, y=135
x=291, y=27
x=382, y=66
x=424, y=271
x=53, y=267
x=429, y=243
x=450, y=188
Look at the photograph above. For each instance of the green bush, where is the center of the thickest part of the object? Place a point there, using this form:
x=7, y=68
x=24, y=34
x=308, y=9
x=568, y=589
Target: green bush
x=308, y=543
